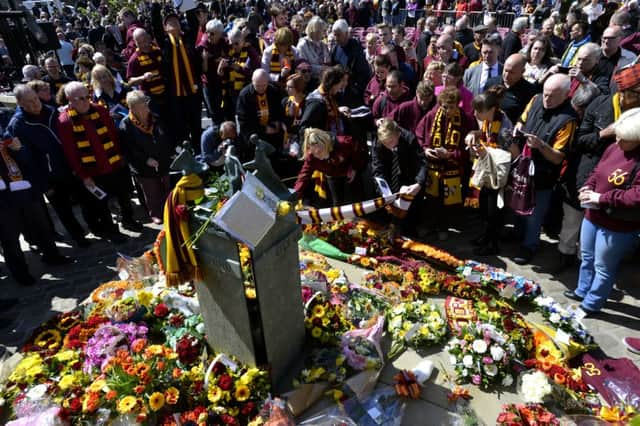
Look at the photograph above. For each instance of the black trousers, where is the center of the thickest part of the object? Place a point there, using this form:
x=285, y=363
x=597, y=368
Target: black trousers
x=62, y=194
x=186, y=119
x=492, y=215
x=96, y=212
x=20, y=211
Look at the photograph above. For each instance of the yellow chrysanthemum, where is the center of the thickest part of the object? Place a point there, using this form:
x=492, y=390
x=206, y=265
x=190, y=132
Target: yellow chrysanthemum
x=333, y=274
x=316, y=332
x=145, y=297
x=67, y=381
x=154, y=350
x=214, y=394
x=250, y=293
x=127, y=404
x=242, y=393
x=172, y=395
x=97, y=385
x=156, y=401
x=34, y=371
x=318, y=311
x=64, y=356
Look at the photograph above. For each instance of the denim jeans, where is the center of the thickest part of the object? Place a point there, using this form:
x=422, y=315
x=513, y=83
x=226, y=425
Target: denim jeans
x=602, y=250
x=531, y=225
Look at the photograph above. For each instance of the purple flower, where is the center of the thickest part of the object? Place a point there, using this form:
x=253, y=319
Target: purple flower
x=476, y=379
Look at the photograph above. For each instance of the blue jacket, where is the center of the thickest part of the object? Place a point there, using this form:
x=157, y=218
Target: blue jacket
x=41, y=144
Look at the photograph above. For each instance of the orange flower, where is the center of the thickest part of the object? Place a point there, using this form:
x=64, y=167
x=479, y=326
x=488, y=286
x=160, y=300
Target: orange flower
x=111, y=395
x=91, y=402
x=138, y=345
x=138, y=389
x=546, y=365
x=171, y=396
x=130, y=370
x=559, y=378
x=160, y=365
x=142, y=369
x=177, y=373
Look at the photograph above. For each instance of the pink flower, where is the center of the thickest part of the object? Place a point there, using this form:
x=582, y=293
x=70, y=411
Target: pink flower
x=487, y=360
x=476, y=379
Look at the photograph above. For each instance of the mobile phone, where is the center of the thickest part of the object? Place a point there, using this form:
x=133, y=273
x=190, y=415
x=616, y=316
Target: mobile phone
x=520, y=136
x=563, y=70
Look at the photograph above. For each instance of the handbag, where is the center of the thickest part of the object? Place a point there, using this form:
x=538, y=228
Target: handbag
x=630, y=214
x=520, y=192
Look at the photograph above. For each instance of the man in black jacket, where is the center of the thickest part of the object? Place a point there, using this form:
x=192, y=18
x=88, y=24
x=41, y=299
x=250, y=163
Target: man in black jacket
x=348, y=53
x=400, y=161
x=181, y=70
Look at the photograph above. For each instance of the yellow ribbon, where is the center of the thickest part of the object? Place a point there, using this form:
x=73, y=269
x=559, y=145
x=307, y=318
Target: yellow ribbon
x=617, y=110
x=615, y=414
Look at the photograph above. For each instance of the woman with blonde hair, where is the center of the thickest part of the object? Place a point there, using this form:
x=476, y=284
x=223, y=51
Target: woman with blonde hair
x=312, y=48
x=146, y=146
x=108, y=92
x=330, y=163
x=279, y=58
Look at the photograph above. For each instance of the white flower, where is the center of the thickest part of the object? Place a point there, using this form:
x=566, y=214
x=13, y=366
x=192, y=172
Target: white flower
x=467, y=360
x=465, y=372
x=200, y=328
x=479, y=346
x=497, y=353
x=453, y=360
x=554, y=317
x=37, y=392
x=535, y=387
x=507, y=381
x=454, y=342
x=491, y=369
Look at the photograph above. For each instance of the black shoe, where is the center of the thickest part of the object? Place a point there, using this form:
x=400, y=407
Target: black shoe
x=82, y=242
x=590, y=312
x=565, y=261
x=6, y=304
x=132, y=225
x=26, y=281
x=117, y=237
x=479, y=241
x=486, y=250
x=57, y=259
x=524, y=256
x=570, y=294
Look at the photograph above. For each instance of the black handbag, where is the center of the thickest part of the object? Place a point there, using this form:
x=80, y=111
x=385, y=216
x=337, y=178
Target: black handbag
x=631, y=214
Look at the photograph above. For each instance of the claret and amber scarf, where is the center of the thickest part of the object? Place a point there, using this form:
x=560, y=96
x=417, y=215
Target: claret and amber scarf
x=83, y=144
x=144, y=129
x=446, y=130
x=181, y=263
x=178, y=45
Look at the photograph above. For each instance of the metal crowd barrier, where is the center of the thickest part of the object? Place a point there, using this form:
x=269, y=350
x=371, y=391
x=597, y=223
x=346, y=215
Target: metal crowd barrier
x=448, y=17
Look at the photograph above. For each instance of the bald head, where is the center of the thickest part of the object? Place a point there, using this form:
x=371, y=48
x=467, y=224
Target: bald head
x=444, y=47
x=513, y=69
x=142, y=40
x=556, y=90
x=449, y=30
x=610, y=41
x=260, y=80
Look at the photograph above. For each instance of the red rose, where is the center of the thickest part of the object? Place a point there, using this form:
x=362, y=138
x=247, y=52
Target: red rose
x=75, y=404
x=182, y=212
x=161, y=310
x=229, y=420
x=176, y=320
x=247, y=409
x=225, y=382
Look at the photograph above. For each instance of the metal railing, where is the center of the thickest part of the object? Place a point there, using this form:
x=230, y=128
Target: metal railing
x=449, y=17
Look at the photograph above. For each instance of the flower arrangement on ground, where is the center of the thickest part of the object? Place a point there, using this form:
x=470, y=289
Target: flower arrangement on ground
x=325, y=321
x=526, y=415
x=416, y=324
x=482, y=356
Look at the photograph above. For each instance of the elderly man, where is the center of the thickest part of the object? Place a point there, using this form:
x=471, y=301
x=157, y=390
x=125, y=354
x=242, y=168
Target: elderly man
x=260, y=110
x=472, y=50
x=512, y=43
x=54, y=77
x=586, y=69
x=182, y=67
x=35, y=124
x=348, y=52
x=30, y=73
x=144, y=70
x=90, y=143
x=613, y=56
x=216, y=140
x=519, y=91
x=425, y=38
x=593, y=137
x=557, y=44
x=444, y=52
x=475, y=78
x=549, y=123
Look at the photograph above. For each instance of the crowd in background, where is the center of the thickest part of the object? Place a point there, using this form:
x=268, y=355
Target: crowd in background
x=439, y=102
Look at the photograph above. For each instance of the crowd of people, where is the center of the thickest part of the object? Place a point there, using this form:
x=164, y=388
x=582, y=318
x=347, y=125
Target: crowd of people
x=537, y=125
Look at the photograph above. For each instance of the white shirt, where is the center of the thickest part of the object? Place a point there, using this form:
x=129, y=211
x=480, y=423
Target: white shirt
x=485, y=74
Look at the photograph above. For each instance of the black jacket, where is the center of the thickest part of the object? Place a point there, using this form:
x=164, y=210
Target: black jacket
x=138, y=147
x=358, y=67
x=247, y=110
x=516, y=98
x=511, y=44
x=413, y=163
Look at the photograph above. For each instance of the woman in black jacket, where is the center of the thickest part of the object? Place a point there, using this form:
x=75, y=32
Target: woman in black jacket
x=146, y=146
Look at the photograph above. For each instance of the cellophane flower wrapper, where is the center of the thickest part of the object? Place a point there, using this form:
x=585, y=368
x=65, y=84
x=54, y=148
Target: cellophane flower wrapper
x=40, y=417
x=566, y=320
x=361, y=347
x=507, y=285
x=382, y=407
x=274, y=412
x=416, y=324
x=365, y=303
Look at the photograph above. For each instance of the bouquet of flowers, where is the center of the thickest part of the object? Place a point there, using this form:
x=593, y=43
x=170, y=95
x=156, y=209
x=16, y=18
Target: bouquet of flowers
x=510, y=322
x=362, y=346
x=364, y=303
x=415, y=324
x=482, y=356
x=526, y=415
x=509, y=286
x=324, y=365
x=325, y=321
x=563, y=319
x=124, y=310
x=108, y=339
